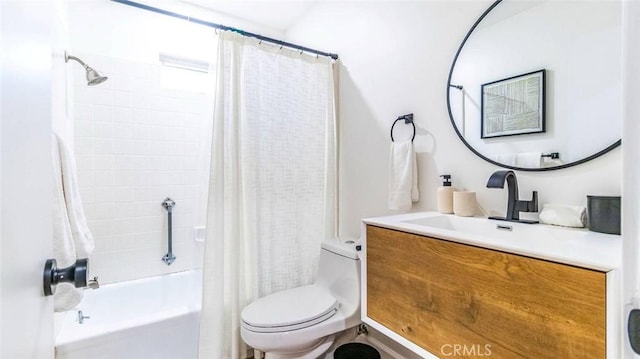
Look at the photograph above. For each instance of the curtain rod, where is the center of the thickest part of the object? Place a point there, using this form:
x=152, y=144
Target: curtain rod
x=222, y=27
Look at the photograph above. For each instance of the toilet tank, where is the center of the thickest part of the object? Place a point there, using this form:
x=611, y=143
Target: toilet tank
x=339, y=271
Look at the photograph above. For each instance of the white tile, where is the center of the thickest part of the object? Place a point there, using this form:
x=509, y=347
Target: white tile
x=102, y=113
x=124, y=130
x=84, y=162
x=124, y=194
x=122, y=99
x=142, y=132
x=103, y=227
x=104, y=195
x=124, y=211
x=104, y=179
x=104, y=162
x=103, y=146
x=103, y=130
x=86, y=178
x=83, y=128
x=121, y=82
x=124, y=163
x=123, y=226
x=83, y=145
x=87, y=195
x=104, y=211
x=83, y=94
x=123, y=178
x=141, y=116
x=123, y=115
x=83, y=112
x=103, y=97
x=123, y=147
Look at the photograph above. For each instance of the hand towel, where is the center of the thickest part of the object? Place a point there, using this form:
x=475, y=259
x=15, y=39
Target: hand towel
x=529, y=160
x=72, y=238
x=508, y=159
x=564, y=215
x=403, y=176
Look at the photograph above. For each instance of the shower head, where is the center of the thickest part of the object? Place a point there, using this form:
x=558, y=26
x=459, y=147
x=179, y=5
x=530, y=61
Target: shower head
x=93, y=77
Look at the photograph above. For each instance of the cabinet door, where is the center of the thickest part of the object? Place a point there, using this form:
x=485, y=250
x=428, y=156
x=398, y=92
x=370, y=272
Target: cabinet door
x=457, y=300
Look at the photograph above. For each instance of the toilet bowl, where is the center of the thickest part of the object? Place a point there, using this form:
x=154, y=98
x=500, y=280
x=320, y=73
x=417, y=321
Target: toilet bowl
x=302, y=322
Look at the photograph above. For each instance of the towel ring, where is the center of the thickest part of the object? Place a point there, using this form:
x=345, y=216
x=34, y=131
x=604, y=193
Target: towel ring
x=407, y=119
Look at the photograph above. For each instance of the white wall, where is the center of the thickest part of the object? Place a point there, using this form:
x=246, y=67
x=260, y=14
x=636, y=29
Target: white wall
x=395, y=58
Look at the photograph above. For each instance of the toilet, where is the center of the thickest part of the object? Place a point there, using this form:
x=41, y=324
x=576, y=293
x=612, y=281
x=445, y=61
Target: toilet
x=303, y=322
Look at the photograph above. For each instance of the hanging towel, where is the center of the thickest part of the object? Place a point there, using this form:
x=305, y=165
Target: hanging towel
x=508, y=159
x=403, y=176
x=529, y=159
x=72, y=238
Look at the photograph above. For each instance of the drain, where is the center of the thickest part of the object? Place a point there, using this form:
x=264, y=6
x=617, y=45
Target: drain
x=356, y=351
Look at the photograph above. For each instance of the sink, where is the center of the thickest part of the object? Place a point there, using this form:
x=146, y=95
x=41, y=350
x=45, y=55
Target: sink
x=576, y=246
x=480, y=226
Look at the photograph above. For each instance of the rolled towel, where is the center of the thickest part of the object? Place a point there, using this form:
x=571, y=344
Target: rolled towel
x=564, y=215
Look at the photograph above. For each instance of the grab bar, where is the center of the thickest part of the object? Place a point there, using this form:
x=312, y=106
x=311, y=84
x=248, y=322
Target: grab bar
x=168, y=204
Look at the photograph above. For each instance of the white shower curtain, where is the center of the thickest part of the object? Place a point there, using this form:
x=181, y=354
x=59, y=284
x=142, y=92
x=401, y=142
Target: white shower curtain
x=273, y=181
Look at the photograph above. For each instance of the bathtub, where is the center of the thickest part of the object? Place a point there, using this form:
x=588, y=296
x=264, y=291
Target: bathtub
x=153, y=318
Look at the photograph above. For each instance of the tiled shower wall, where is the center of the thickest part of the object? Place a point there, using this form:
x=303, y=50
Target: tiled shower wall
x=137, y=143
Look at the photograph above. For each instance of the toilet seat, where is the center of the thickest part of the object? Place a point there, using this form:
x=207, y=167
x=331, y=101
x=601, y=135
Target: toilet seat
x=291, y=309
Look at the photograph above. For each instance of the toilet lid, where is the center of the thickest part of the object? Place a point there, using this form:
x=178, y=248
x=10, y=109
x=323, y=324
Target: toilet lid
x=291, y=309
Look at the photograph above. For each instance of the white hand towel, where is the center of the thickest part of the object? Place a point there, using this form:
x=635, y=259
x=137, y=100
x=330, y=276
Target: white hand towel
x=72, y=238
x=529, y=160
x=403, y=176
x=564, y=215
x=508, y=159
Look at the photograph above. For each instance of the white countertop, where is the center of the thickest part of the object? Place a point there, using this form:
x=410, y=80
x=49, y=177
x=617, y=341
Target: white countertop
x=579, y=247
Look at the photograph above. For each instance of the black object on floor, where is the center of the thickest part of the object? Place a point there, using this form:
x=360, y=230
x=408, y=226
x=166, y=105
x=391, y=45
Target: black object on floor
x=356, y=351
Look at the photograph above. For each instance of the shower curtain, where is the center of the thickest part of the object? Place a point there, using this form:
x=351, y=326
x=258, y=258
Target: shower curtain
x=272, y=193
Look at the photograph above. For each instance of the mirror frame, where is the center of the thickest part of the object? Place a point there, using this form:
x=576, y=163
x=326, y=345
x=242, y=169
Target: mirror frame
x=450, y=85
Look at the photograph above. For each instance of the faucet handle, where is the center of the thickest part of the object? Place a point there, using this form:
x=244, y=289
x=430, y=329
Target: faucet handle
x=532, y=206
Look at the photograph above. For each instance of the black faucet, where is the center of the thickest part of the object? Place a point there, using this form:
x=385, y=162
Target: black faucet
x=514, y=205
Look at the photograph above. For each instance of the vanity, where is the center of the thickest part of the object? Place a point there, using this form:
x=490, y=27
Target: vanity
x=447, y=286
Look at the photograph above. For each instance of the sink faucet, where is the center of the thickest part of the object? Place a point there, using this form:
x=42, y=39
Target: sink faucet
x=514, y=205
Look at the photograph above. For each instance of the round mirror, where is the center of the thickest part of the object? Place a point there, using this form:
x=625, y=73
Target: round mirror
x=537, y=85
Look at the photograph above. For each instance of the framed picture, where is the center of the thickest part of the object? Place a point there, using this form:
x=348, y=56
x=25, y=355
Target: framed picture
x=513, y=106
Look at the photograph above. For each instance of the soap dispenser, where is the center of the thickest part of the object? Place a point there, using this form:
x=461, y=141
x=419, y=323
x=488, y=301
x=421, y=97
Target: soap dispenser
x=445, y=195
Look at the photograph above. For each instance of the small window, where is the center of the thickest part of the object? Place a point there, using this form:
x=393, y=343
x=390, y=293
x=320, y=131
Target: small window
x=179, y=73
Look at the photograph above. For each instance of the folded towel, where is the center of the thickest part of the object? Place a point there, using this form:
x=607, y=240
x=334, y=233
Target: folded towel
x=564, y=215
x=72, y=238
x=529, y=160
x=403, y=176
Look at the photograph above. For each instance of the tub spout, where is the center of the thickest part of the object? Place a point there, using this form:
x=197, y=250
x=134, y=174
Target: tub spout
x=93, y=283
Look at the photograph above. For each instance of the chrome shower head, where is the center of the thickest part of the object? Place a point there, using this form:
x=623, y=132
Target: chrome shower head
x=93, y=77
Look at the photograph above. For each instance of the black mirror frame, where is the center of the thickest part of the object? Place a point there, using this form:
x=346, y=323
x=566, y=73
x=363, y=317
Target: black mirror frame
x=449, y=85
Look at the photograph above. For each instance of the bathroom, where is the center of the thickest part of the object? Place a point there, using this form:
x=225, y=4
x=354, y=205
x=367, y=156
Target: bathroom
x=394, y=59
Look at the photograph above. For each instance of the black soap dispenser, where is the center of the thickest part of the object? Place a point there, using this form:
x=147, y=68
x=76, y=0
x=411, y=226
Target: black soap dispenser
x=445, y=195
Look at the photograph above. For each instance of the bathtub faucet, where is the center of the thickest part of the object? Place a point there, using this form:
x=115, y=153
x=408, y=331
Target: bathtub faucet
x=93, y=283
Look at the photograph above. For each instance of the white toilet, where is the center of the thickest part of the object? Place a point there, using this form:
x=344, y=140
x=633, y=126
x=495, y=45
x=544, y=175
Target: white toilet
x=303, y=322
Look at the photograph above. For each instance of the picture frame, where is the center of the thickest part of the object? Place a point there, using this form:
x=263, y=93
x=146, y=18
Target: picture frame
x=513, y=106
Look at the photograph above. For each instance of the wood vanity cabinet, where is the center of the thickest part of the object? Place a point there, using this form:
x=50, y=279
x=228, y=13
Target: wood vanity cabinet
x=443, y=296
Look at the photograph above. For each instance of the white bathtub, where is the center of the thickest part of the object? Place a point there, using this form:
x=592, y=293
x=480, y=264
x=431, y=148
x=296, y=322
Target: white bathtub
x=152, y=318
